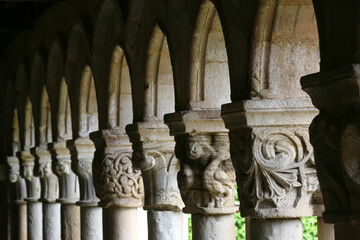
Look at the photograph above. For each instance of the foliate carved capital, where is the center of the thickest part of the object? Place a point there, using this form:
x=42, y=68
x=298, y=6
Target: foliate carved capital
x=83, y=155
x=32, y=183
x=49, y=181
x=153, y=153
x=273, y=157
x=207, y=176
x=16, y=179
x=68, y=181
x=276, y=172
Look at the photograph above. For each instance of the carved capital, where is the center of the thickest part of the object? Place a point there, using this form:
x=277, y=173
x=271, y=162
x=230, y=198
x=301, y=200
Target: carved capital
x=83, y=154
x=118, y=182
x=17, y=181
x=154, y=155
x=49, y=181
x=68, y=181
x=334, y=133
x=273, y=157
x=207, y=176
x=32, y=183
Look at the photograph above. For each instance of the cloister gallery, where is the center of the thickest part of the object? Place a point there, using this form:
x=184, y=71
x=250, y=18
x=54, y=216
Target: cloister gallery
x=111, y=106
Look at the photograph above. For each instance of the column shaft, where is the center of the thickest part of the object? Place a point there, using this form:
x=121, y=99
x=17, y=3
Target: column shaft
x=70, y=222
x=52, y=221
x=22, y=221
x=325, y=231
x=273, y=228
x=91, y=223
x=35, y=220
x=120, y=223
x=165, y=225
x=213, y=226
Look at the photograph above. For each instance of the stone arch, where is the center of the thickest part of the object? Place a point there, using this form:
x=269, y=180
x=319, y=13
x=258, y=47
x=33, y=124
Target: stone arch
x=107, y=35
x=16, y=145
x=77, y=64
x=120, y=99
x=29, y=128
x=64, y=124
x=159, y=93
x=285, y=48
x=54, y=81
x=45, y=119
x=209, y=70
x=88, y=110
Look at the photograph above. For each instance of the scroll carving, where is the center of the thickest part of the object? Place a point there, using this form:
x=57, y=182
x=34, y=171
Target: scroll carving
x=276, y=169
x=207, y=176
x=120, y=183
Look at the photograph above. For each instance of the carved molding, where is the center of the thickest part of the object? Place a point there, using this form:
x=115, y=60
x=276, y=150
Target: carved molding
x=153, y=153
x=17, y=181
x=83, y=154
x=49, y=181
x=32, y=183
x=207, y=176
x=68, y=181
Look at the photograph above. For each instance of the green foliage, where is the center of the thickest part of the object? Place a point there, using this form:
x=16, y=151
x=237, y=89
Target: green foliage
x=310, y=228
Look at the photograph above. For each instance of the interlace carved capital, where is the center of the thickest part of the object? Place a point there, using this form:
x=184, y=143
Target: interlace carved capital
x=154, y=154
x=49, y=181
x=83, y=154
x=207, y=176
x=120, y=183
x=32, y=183
x=68, y=181
x=15, y=178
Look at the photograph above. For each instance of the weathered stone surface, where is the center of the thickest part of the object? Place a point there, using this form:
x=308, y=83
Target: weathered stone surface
x=91, y=223
x=154, y=155
x=334, y=133
x=32, y=183
x=165, y=225
x=274, y=159
x=269, y=229
x=34, y=220
x=70, y=222
x=213, y=226
x=207, y=177
x=52, y=221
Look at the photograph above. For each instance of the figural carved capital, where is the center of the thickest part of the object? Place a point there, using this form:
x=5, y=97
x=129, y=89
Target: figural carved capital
x=83, y=154
x=118, y=183
x=49, y=181
x=334, y=133
x=17, y=181
x=32, y=183
x=273, y=157
x=153, y=153
x=68, y=181
x=207, y=176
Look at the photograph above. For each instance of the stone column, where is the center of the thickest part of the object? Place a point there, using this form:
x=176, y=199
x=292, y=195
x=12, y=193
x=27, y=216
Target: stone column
x=276, y=177
x=19, y=186
x=118, y=184
x=69, y=193
x=207, y=177
x=34, y=207
x=154, y=154
x=91, y=214
x=334, y=133
x=49, y=194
